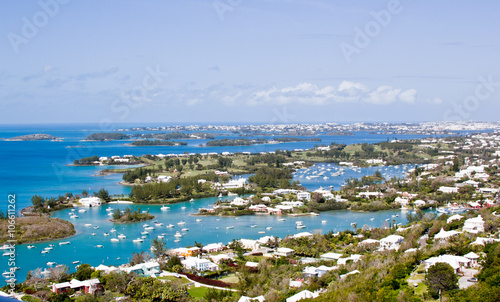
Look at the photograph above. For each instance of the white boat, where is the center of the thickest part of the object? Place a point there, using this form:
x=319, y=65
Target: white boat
x=73, y=216
x=185, y=229
x=106, y=234
x=198, y=220
x=230, y=227
x=31, y=246
x=181, y=222
x=7, y=253
x=121, y=236
x=76, y=262
x=160, y=236
x=99, y=246
x=178, y=235
x=82, y=210
x=176, y=240
x=6, y=274
x=323, y=221
x=44, y=252
x=262, y=232
x=112, y=230
x=300, y=226
x=253, y=226
x=149, y=228
x=144, y=232
x=299, y=222
x=170, y=226
x=93, y=234
x=88, y=225
x=313, y=214
x=269, y=228
x=115, y=240
x=183, y=208
x=165, y=208
x=64, y=243
x=144, y=236
x=192, y=199
x=109, y=210
x=50, y=263
x=145, y=225
x=372, y=219
x=159, y=224
x=49, y=248
x=281, y=219
x=96, y=227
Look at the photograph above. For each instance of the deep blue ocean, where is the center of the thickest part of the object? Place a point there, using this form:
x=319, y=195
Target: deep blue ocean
x=42, y=168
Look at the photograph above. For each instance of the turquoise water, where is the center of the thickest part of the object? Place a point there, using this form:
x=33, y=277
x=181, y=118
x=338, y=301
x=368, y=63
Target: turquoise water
x=83, y=246
x=41, y=167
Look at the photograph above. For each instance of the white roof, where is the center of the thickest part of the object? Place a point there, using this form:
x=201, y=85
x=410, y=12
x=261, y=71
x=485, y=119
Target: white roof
x=305, y=294
x=392, y=239
x=335, y=256
x=472, y=255
x=445, y=234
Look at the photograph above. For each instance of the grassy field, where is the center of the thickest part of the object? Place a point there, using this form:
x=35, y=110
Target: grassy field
x=231, y=278
x=182, y=281
x=199, y=292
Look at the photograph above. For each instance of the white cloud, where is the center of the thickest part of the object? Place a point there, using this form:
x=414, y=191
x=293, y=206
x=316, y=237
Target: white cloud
x=346, y=92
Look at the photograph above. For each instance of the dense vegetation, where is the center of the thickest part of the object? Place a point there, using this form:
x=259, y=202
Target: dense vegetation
x=130, y=215
x=267, y=177
x=36, y=228
x=86, y=160
x=107, y=136
x=147, y=142
x=177, y=188
x=234, y=142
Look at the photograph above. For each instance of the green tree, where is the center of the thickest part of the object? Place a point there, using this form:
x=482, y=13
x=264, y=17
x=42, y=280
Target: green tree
x=37, y=201
x=158, y=247
x=104, y=195
x=84, y=272
x=440, y=277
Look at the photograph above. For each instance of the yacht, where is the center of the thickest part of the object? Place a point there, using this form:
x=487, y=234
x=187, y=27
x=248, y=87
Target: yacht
x=181, y=222
x=99, y=246
x=253, y=226
x=144, y=233
x=170, y=226
x=230, y=227
x=165, y=208
x=138, y=240
x=185, y=229
x=31, y=246
x=149, y=228
x=106, y=234
x=44, y=252
x=6, y=247
x=88, y=225
x=323, y=221
x=198, y=220
x=50, y=263
x=115, y=240
x=121, y=236
x=64, y=243
x=112, y=230
x=159, y=224
x=178, y=235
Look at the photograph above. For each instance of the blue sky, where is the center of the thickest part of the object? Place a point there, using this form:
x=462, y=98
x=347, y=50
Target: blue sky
x=265, y=61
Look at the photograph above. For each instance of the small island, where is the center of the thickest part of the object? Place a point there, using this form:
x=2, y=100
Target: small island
x=33, y=229
x=147, y=142
x=130, y=215
x=33, y=137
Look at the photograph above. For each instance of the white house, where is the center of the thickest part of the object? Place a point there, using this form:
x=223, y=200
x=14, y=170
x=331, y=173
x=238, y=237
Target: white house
x=238, y=201
x=353, y=258
x=305, y=294
x=235, y=183
x=293, y=204
x=199, y=264
x=330, y=256
x=311, y=271
x=164, y=178
x=213, y=247
x=473, y=257
x=250, y=244
x=284, y=252
x=391, y=242
x=445, y=234
x=91, y=202
x=88, y=286
x=474, y=225
x=448, y=189
x=419, y=203
x=453, y=218
x=457, y=262
x=304, y=196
